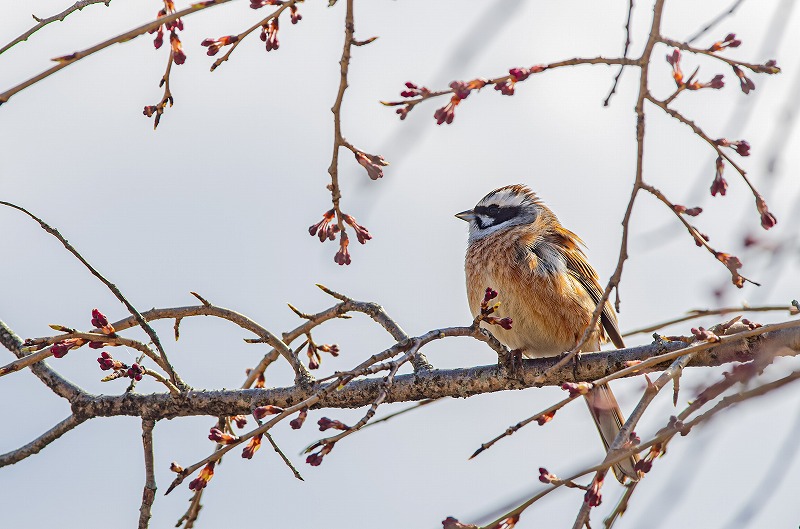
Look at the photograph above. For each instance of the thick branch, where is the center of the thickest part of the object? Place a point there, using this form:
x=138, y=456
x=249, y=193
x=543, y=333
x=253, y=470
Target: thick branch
x=436, y=383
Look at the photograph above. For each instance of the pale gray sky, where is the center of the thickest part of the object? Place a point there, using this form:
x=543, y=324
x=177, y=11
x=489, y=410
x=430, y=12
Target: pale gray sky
x=219, y=199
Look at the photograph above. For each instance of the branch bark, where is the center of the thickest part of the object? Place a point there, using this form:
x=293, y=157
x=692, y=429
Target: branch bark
x=436, y=383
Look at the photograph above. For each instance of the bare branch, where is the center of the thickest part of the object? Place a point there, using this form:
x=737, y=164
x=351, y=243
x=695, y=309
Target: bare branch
x=702, y=313
x=72, y=58
x=36, y=446
x=713, y=23
x=58, y=384
x=149, y=492
x=42, y=22
x=113, y=288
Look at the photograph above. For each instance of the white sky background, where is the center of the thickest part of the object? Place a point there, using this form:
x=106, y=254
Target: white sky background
x=219, y=199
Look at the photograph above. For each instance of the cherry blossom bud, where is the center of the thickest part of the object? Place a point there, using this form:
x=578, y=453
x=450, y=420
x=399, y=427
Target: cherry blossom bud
x=205, y=476
x=372, y=163
x=719, y=185
x=768, y=220
x=446, y=114
x=297, y=422
x=252, y=447
x=342, y=257
x=362, y=234
x=262, y=411
x=326, y=423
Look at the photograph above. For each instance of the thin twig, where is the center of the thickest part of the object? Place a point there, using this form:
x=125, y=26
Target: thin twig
x=149, y=492
x=624, y=54
x=245, y=33
x=113, y=288
x=283, y=456
x=42, y=22
x=72, y=58
x=713, y=23
x=613, y=283
x=36, y=446
x=702, y=313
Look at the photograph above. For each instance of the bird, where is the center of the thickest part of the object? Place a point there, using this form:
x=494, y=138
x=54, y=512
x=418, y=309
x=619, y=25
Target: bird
x=545, y=284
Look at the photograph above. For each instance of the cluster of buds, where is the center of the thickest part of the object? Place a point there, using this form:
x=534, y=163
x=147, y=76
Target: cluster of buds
x=62, y=347
x=447, y=113
x=412, y=90
x=295, y=14
x=488, y=309
x=269, y=34
x=315, y=459
x=372, y=163
x=313, y=352
x=239, y=420
x=577, y=389
x=546, y=477
x=742, y=147
x=506, y=85
x=730, y=41
x=214, y=45
x=692, y=212
x=201, y=481
x=461, y=91
x=326, y=424
x=99, y=321
x=645, y=464
x=745, y=83
x=733, y=264
x=768, y=220
x=298, y=421
x=173, y=27
x=362, y=234
x=135, y=372
x=719, y=185
x=342, y=257
x=324, y=229
x=593, y=496
x=107, y=362
x=220, y=437
x=674, y=59
x=252, y=447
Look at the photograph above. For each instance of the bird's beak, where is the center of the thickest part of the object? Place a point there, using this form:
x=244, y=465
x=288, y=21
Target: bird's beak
x=468, y=215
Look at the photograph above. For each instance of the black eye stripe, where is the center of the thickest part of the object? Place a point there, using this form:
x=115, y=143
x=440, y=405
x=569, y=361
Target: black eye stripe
x=497, y=214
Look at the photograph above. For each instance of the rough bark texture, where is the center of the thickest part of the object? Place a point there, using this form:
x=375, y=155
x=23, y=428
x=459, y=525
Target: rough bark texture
x=429, y=384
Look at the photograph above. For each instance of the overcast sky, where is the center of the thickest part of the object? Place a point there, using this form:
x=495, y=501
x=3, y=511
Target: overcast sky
x=218, y=200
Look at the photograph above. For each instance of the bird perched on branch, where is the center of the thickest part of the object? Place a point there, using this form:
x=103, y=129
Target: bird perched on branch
x=546, y=286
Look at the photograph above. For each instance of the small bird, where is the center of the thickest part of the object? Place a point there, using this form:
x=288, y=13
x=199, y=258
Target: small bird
x=546, y=286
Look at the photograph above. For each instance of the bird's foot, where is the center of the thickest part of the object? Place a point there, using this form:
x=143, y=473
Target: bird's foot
x=512, y=362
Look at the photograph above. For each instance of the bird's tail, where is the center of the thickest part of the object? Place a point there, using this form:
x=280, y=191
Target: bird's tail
x=608, y=418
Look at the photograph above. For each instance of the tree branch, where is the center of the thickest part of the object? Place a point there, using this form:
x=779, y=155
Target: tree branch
x=36, y=446
x=436, y=383
x=149, y=492
x=42, y=22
